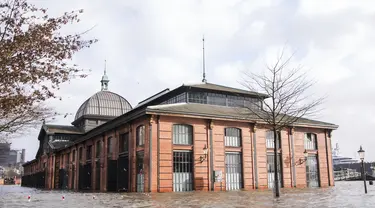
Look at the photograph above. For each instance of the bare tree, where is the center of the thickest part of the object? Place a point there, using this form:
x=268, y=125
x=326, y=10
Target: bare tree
x=286, y=88
x=14, y=125
x=34, y=60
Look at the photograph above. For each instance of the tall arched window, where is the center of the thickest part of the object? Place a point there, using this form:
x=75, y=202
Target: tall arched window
x=98, y=148
x=310, y=141
x=80, y=154
x=140, y=137
x=182, y=134
x=232, y=137
x=109, y=146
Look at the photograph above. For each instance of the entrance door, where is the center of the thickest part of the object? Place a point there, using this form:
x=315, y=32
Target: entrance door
x=233, y=171
x=312, y=171
x=271, y=170
x=140, y=172
x=63, y=177
x=112, y=175
x=81, y=177
x=123, y=173
x=73, y=176
x=87, y=176
x=182, y=171
x=97, y=175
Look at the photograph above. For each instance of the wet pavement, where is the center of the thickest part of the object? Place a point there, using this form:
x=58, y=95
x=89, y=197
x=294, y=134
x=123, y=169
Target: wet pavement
x=344, y=194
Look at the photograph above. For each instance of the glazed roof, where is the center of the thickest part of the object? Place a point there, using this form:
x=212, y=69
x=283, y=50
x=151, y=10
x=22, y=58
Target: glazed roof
x=104, y=103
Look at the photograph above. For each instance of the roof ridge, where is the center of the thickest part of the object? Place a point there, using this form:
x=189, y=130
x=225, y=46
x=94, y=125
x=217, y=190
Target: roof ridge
x=166, y=105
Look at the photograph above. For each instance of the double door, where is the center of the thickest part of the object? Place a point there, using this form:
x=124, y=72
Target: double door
x=312, y=171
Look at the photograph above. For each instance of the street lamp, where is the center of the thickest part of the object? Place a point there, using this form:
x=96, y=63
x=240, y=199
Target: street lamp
x=205, y=150
x=361, y=153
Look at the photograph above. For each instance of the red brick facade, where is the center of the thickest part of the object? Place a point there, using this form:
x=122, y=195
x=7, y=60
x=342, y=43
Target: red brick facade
x=158, y=133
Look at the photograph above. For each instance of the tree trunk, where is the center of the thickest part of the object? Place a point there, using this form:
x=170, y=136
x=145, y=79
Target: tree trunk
x=277, y=188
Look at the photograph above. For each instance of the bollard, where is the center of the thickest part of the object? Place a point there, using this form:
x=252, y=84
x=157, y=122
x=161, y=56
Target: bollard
x=63, y=197
x=371, y=182
x=28, y=198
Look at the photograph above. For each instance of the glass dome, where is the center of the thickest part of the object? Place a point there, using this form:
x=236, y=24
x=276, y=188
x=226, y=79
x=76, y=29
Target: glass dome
x=104, y=103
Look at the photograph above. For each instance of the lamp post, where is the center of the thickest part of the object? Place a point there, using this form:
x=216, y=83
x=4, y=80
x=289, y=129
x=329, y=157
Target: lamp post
x=361, y=153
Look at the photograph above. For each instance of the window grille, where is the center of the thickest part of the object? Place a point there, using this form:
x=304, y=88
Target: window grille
x=140, y=135
x=182, y=134
x=232, y=137
x=310, y=141
x=270, y=142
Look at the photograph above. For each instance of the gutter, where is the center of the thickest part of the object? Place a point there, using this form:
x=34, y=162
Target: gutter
x=218, y=117
x=105, y=127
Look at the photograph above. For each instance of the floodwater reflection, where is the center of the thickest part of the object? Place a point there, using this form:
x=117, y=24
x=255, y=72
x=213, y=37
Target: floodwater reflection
x=344, y=194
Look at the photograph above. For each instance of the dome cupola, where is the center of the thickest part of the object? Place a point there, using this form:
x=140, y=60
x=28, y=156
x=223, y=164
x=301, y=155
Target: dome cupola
x=101, y=107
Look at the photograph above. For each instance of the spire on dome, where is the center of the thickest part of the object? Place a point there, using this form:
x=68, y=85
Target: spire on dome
x=105, y=79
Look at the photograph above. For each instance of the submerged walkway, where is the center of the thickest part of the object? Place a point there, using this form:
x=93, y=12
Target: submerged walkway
x=344, y=194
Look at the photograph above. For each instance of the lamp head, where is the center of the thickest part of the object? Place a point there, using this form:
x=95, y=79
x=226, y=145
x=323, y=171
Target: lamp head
x=361, y=153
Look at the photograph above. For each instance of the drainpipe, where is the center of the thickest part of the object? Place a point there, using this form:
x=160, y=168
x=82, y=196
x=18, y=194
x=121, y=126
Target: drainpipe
x=158, y=151
x=53, y=171
x=328, y=168
x=255, y=156
x=130, y=158
x=150, y=155
x=211, y=156
x=293, y=159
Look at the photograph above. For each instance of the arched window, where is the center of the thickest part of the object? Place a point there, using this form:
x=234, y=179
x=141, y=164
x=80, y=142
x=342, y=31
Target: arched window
x=182, y=134
x=74, y=156
x=140, y=137
x=80, y=154
x=310, y=141
x=109, y=146
x=98, y=148
x=232, y=137
x=124, y=142
x=270, y=142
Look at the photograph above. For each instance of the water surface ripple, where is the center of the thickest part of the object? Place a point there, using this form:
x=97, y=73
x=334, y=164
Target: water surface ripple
x=344, y=194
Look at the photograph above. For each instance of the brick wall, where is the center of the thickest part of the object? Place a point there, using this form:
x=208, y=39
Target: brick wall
x=162, y=154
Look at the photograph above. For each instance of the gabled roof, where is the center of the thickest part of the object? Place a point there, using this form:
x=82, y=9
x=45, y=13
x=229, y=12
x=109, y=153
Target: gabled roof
x=223, y=112
x=61, y=129
x=57, y=144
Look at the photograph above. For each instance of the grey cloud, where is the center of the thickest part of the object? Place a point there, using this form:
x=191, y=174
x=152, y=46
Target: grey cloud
x=153, y=45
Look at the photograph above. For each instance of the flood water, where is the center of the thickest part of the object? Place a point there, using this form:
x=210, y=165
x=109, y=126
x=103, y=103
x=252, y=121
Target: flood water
x=344, y=194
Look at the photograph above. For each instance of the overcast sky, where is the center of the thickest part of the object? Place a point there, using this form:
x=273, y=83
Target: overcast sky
x=153, y=45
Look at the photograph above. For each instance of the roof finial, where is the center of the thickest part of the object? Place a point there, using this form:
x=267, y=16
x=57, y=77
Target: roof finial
x=105, y=79
x=105, y=67
x=204, y=64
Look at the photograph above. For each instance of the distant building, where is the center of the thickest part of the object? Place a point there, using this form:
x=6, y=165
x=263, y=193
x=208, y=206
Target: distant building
x=195, y=137
x=11, y=157
x=4, y=153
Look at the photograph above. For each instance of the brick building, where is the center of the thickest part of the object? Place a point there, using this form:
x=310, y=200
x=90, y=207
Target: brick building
x=194, y=137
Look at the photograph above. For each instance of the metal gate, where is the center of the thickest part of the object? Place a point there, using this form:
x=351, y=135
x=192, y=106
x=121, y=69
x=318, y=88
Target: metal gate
x=140, y=172
x=85, y=177
x=57, y=174
x=312, y=171
x=123, y=173
x=112, y=175
x=63, y=179
x=271, y=170
x=182, y=171
x=97, y=175
x=81, y=179
x=233, y=171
